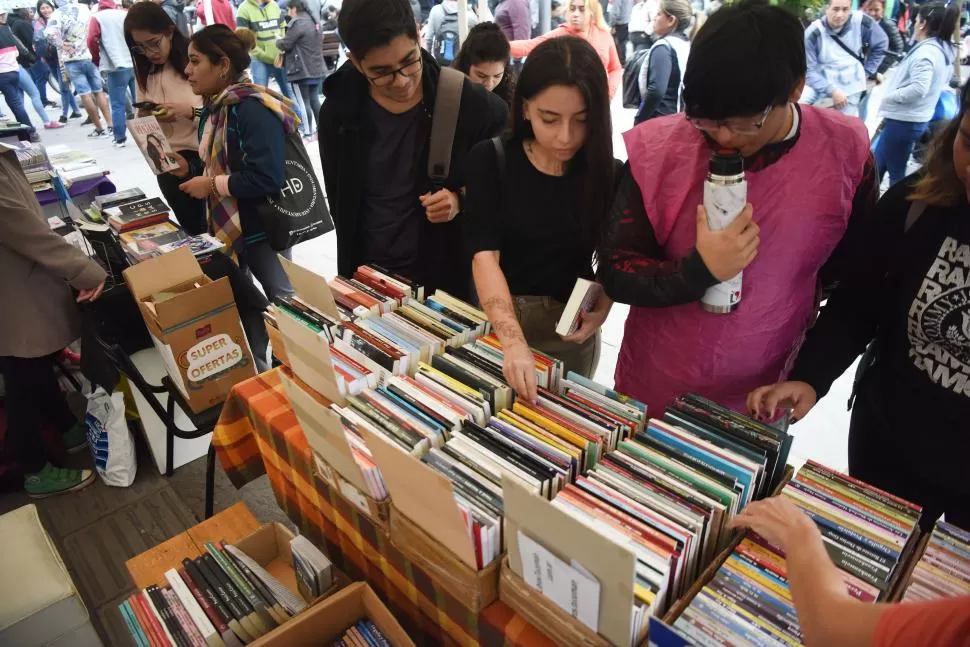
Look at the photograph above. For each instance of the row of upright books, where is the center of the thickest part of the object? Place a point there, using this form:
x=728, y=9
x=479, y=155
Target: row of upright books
x=943, y=571
x=868, y=533
x=224, y=598
x=660, y=491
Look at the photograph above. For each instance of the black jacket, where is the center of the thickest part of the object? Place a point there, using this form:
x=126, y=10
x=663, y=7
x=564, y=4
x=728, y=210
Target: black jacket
x=345, y=136
x=302, y=48
x=23, y=29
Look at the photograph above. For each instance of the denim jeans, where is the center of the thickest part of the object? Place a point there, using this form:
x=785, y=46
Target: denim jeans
x=260, y=260
x=68, y=102
x=10, y=88
x=119, y=82
x=27, y=85
x=40, y=72
x=894, y=145
x=263, y=72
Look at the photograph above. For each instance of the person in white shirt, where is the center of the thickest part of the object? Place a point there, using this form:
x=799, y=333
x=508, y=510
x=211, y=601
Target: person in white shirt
x=641, y=23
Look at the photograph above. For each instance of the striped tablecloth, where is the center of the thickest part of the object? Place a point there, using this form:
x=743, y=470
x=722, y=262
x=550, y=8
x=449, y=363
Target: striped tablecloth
x=258, y=433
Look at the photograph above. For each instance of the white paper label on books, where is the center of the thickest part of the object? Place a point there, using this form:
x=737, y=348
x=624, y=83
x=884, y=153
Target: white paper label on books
x=353, y=495
x=568, y=585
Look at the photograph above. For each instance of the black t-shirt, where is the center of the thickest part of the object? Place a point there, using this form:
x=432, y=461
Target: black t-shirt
x=910, y=291
x=391, y=214
x=530, y=218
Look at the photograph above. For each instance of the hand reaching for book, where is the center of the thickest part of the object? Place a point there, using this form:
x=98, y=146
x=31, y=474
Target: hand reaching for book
x=519, y=368
x=779, y=521
x=764, y=401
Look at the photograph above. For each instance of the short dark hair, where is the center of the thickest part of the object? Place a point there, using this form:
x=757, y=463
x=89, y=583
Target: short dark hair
x=746, y=57
x=573, y=62
x=365, y=25
x=217, y=42
x=299, y=5
x=150, y=17
x=487, y=43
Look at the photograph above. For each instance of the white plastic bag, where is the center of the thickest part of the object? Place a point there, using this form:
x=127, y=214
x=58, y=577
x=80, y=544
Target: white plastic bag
x=110, y=440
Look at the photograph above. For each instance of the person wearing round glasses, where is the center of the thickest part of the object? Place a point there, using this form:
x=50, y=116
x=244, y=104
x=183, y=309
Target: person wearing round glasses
x=374, y=135
x=810, y=182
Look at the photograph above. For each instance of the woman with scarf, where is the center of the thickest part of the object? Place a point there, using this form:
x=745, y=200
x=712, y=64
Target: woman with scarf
x=241, y=142
x=584, y=19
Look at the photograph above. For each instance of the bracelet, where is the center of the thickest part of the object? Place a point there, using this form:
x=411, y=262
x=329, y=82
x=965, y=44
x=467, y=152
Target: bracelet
x=212, y=186
x=196, y=113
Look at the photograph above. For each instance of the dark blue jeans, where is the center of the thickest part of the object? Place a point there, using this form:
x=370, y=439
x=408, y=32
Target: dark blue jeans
x=68, y=102
x=119, y=82
x=40, y=72
x=10, y=88
x=893, y=147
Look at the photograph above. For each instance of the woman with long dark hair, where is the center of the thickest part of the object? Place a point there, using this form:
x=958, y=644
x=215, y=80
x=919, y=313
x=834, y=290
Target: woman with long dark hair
x=243, y=129
x=912, y=93
x=484, y=58
x=536, y=204
x=160, y=54
x=909, y=296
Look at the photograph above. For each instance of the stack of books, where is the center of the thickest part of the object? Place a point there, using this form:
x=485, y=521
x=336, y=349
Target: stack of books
x=143, y=228
x=944, y=569
x=35, y=164
x=362, y=634
x=221, y=598
x=73, y=165
x=867, y=533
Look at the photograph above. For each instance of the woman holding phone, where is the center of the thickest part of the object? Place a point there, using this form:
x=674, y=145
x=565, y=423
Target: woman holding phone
x=160, y=54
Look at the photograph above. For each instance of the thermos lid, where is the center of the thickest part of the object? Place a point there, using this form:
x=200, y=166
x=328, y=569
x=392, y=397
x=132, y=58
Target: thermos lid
x=726, y=162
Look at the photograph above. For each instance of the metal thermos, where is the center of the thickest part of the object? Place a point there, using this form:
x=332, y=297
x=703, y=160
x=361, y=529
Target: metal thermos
x=725, y=194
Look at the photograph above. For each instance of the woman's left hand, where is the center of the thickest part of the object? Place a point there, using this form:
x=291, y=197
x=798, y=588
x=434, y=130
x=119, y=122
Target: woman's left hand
x=197, y=187
x=173, y=111
x=590, y=322
x=441, y=206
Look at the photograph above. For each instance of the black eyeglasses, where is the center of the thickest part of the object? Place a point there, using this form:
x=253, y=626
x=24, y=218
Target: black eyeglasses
x=407, y=70
x=736, y=126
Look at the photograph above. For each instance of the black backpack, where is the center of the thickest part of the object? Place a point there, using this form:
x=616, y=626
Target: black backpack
x=631, y=79
x=446, y=39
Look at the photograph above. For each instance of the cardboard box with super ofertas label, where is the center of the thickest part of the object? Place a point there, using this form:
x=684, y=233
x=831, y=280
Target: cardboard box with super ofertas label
x=195, y=326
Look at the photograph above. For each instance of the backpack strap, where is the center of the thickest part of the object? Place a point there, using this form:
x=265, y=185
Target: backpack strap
x=916, y=209
x=444, y=123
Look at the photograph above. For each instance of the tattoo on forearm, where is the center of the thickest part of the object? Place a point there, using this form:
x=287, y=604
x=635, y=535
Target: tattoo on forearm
x=502, y=315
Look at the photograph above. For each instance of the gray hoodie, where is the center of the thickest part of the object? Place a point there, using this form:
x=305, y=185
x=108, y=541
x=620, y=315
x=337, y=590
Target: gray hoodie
x=915, y=88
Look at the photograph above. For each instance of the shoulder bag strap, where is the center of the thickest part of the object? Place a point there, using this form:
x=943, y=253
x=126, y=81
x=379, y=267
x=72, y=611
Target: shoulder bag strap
x=444, y=123
x=856, y=55
x=499, y=146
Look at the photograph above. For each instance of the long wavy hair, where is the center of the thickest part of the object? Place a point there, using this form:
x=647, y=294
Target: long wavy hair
x=939, y=185
x=572, y=62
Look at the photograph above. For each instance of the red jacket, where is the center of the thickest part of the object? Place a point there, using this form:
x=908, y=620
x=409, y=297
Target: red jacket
x=221, y=13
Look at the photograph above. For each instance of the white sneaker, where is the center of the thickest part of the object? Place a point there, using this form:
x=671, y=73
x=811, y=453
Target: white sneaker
x=121, y=144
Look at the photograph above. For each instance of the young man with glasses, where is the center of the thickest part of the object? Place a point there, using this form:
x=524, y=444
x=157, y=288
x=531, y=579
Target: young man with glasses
x=374, y=137
x=810, y=185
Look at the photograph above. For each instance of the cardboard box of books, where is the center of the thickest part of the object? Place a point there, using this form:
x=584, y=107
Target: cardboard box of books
x=339, y=463
x=195, y=326
x=355, y=615
x=430, y=529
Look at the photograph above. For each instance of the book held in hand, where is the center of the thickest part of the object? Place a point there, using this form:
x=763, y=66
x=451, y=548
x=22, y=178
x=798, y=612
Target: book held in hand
x=148, y=135
x=583, y=299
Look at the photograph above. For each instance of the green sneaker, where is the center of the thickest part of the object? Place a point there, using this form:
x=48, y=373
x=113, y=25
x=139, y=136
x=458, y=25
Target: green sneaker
x=51, y=481
x=76, y=438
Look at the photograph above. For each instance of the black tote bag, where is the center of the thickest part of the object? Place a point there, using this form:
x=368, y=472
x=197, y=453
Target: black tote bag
x=299, y=211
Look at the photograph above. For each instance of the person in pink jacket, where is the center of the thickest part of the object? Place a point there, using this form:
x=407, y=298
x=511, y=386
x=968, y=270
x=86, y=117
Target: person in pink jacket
x=811, y=191
x=215, y=12
x=584, y=18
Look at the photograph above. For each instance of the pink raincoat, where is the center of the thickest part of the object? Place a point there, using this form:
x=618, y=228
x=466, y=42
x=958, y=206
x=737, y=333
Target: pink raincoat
x=802, y=204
